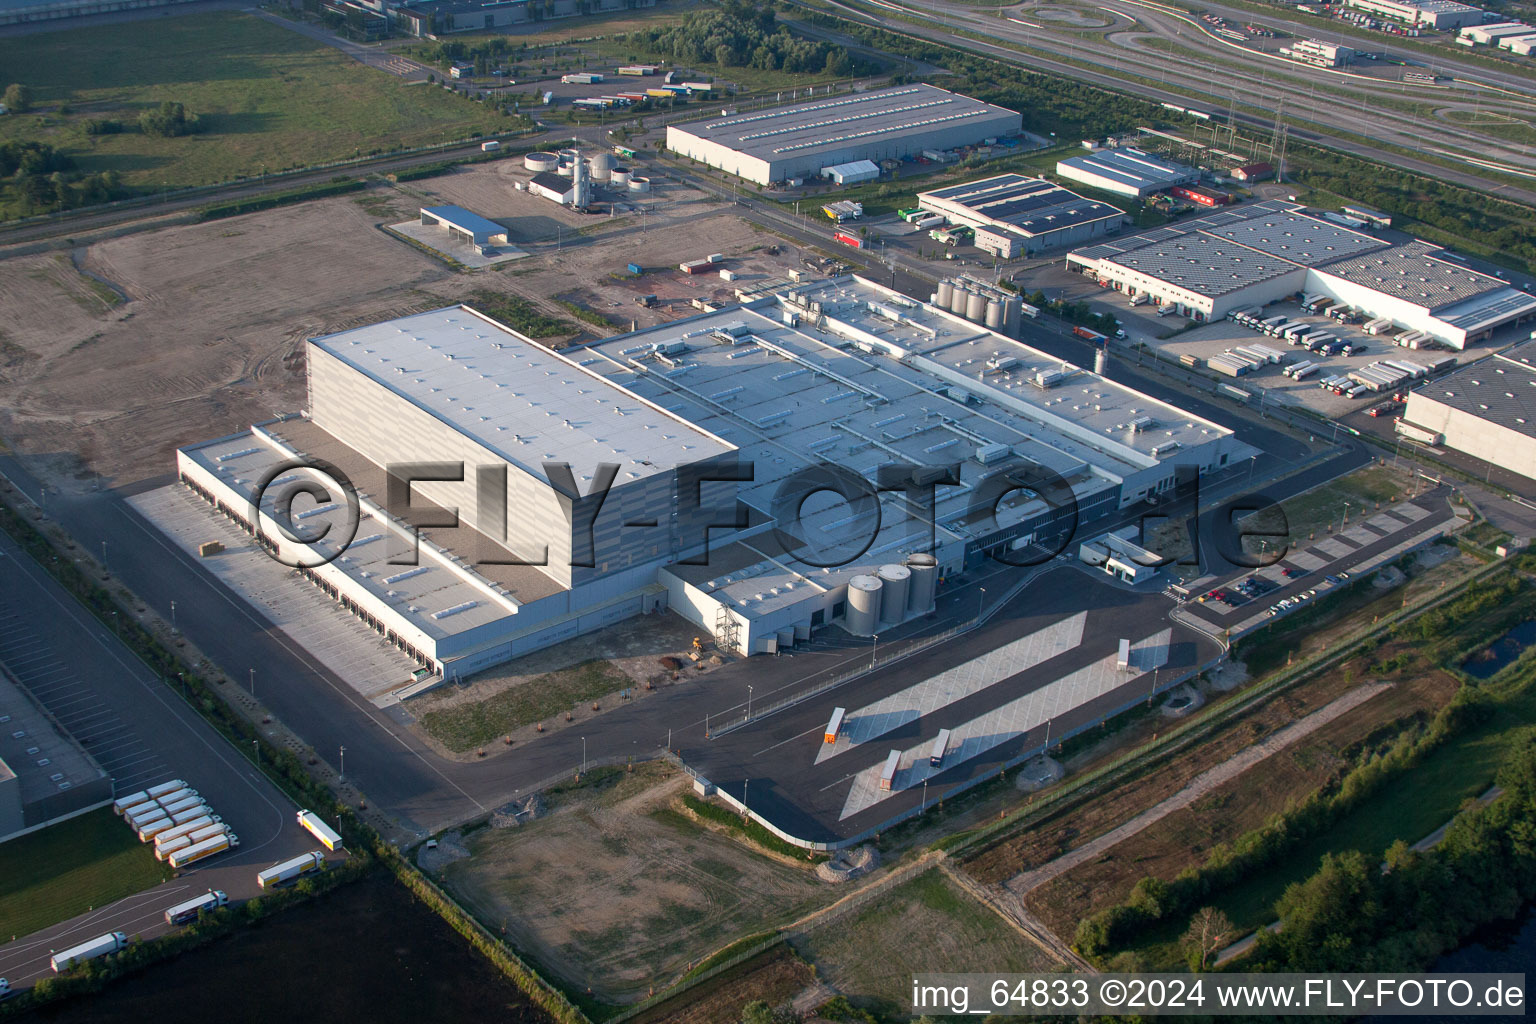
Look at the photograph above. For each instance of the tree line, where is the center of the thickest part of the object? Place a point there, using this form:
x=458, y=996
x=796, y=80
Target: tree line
x=742, y=35
x=36, y=178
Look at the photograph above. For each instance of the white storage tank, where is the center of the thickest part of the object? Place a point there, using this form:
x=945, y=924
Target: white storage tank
x=541, y=161
x=994, y=315
x=602, y=166
x=565, y=170
x=863, y=614
x=946, y=294
x=619, y=177
x=897, y=582
x=925, y=582
x=975, y=306
x=957, y=300
x=639, y=184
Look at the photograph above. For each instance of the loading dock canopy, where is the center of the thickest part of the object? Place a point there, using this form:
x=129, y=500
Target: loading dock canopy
x=464, y=222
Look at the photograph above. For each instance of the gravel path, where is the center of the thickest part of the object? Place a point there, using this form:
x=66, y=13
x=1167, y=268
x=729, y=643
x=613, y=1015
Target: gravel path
x=1024, y=882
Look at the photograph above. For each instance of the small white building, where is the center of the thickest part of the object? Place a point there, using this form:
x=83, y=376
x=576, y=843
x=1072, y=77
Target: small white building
x=853, y=172
x=1522, y=45
x=1487, y=35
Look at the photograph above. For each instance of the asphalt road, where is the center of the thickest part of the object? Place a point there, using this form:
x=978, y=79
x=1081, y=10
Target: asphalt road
x=142, y=732
x=771, y=762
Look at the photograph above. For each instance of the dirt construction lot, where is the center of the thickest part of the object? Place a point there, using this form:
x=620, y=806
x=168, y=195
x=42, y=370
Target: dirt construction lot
x=616, y=889
x=195, y=331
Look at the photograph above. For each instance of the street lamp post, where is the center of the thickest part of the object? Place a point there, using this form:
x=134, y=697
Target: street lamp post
x=874, y=653
x=104, y=556
x=173, y=618
x=253, y=681
x=749, y=702
x=583, y=755
x=343, y=775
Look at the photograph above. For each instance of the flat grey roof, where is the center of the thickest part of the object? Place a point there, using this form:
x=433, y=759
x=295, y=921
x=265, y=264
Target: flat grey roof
x=1500, y=389
x=465, y=220
x=1131, y=167
x=1205, y=265
x=1030, y=206
x=1294, y=237
x=1412, y=272
x=527, y=403
x=44, y=759
x=878, y=115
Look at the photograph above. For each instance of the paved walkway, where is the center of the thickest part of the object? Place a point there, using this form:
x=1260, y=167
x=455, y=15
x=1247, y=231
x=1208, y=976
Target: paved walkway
x=1027, y=881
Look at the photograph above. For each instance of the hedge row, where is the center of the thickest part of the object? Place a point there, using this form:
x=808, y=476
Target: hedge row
x=339, y=185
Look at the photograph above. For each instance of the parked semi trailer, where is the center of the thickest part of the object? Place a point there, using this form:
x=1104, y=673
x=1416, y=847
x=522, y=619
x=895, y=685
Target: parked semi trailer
x=317, y=827
x=206, y=848
x=123, y=804
x=181, y=913
x=290, y=869
x=99, y=946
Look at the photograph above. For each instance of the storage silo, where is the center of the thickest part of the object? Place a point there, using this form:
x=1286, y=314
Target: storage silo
x=946, y=294
x=581, y=185
x=863, y=605
x=975, y=306
x=994, y=315
x=602, y=166
x=541, y=162
x=957, y=300
x=565, y=170
x=925, y=582
x=639, y=184
x=1100, y=360
x=1013, y=314
x=897, y=580
x=619, y=177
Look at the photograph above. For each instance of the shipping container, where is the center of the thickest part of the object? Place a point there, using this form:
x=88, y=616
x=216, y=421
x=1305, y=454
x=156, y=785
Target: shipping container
x=1191, y=360
x=940, y=746
x=888, y=773
x=317, y=827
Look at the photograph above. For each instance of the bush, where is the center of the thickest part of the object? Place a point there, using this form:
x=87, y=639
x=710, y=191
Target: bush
x=169, y=121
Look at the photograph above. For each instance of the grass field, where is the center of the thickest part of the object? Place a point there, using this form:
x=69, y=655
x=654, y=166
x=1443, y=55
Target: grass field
x=469, y=725
x=266, y=98
x=65, y=869
x=927, y=924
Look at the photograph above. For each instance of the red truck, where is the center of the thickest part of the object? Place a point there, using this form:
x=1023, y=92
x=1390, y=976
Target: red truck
x=1086, y=334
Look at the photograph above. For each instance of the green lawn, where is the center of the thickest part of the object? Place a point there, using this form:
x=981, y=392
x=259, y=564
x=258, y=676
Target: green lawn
x=469, y=725
x=51, y=875
x=266, y=98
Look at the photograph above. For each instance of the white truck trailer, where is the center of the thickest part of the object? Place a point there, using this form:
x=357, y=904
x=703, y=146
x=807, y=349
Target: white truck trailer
x=163, y=851
x=166, y=787
x=99, y=946
x=316, y=826
x=185, y=828
x=206, y=848
x=137, y=819
x=123, y=804
x=182, y=913
x=290, y=869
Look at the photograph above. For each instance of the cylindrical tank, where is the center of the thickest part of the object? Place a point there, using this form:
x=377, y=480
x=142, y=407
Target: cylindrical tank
x=897, y=580
x=639, y=184
x=619, y=177
x=541, y=161
x=957, y=300
x=863, y=605
x=925, y=582
x=994, y=314
x=602, y=166
x=1013, y=313
x=946, y=294
x=566, y=170
x=975, y=306
x=1100, y=360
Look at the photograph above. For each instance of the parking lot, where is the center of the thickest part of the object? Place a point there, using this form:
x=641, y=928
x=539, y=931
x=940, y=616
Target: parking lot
x=141, y=733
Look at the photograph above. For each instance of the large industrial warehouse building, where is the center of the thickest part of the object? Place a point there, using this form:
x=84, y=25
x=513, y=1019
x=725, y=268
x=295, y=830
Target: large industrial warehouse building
x=1256, y=254
x=843, y=372
x=1015, y=215
x=1126, y=172
x=1487, y=410
x=775, y=145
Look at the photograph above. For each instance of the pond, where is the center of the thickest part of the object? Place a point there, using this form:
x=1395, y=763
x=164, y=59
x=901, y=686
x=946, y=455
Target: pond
x=1502, y=653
